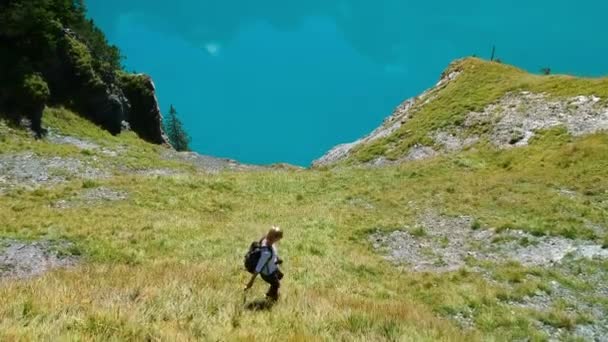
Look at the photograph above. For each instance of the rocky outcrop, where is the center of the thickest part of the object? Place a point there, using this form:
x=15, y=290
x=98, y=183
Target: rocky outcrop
x=75, y=82
x=511, y=120
x=110, y=99
x=144, y=116
x=72, y=77
x=516, y=118
x=390, y=125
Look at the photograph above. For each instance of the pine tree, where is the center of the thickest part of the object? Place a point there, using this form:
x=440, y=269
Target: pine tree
x=178, y=137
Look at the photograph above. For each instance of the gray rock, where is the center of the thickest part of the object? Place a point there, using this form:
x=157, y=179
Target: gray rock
x=451, y=142
x=419, y=152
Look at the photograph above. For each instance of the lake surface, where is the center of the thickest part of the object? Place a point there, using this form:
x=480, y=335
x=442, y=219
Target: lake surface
x=284, y=81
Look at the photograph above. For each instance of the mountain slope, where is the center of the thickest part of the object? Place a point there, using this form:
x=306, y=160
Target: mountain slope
x=475, y=245
x=477, y=102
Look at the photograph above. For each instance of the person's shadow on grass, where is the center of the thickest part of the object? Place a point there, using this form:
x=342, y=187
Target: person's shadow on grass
x=260, y=305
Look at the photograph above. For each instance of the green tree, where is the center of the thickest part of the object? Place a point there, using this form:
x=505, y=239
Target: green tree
x=178, y=137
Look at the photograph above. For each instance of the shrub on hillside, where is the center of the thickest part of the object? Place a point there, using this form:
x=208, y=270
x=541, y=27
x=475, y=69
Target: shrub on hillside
x=80, y=59
x=35, y=88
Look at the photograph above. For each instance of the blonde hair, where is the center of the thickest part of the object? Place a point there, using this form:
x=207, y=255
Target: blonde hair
x=275, y=233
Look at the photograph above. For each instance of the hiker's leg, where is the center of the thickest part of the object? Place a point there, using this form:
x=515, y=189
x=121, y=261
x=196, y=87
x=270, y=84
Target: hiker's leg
x=273, y=280
x=273, y=291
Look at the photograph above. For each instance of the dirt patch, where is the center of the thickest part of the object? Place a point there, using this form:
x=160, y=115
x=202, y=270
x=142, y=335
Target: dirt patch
x=156, y=172
x=28, y=259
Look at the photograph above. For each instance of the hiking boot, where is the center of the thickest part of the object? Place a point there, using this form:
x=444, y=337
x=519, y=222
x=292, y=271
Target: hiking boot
x=272, y=298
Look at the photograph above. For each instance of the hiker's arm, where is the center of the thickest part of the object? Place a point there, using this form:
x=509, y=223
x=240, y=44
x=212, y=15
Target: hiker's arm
x=264, y=259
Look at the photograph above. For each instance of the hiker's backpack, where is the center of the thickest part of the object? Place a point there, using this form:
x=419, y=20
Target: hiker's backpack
x=253, y=255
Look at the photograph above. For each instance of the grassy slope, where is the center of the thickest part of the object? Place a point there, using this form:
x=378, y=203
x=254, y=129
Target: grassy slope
x=138, y=155
x=480, y=84
x=166, y=263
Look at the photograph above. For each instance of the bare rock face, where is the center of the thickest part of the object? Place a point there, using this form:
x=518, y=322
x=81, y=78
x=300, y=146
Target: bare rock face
x=144, y=116
x=111, y=99
x=108, y=108
x=75, y=82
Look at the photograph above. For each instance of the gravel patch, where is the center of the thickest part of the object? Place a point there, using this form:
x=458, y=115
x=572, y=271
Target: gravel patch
x=28, y=259
x=439, y=244
x=156, y=172
x=91, y=197
x=419, y=152
x=516, y=117
x=31, y=171
x=436, y=243
x=207, y=163
x=67, y=140
x=577, y=301
x=451, y=142
x=82, y=144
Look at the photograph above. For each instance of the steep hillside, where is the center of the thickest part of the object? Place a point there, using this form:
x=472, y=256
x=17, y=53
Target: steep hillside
x=107, y=237
x=478, y=102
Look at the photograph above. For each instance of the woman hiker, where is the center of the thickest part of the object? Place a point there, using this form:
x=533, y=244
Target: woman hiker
x=268, y=264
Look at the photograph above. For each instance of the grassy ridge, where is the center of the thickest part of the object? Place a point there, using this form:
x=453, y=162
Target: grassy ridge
x=479, y=84
x=165, y=264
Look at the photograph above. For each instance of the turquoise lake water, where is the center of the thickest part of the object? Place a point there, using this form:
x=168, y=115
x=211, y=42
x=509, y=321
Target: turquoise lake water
x=284, y=81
